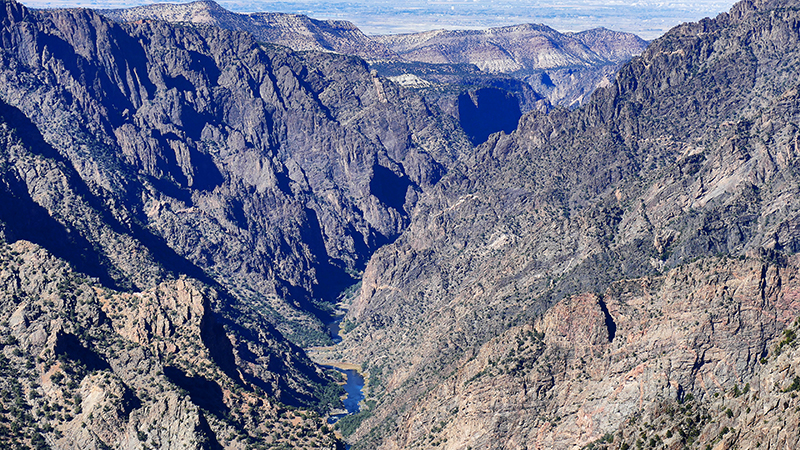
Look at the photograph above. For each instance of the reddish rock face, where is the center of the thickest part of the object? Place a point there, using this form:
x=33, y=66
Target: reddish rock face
x=697, y=332
x=578, y=322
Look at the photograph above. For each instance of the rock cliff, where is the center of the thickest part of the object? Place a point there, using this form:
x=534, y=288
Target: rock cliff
x=642, y=357
x=273, y=173
x=103, y=346
x=686, y=158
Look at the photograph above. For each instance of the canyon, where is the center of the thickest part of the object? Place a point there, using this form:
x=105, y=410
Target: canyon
x=185, y=204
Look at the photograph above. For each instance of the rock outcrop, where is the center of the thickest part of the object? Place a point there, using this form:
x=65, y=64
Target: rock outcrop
x=85, y=366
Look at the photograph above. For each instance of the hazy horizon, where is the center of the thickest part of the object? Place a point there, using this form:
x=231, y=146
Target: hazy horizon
x=648, y=19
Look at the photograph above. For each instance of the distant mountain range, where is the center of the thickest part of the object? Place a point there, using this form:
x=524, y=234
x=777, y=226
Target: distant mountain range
x=295, y=31
x=515, y=48
x=564, y=67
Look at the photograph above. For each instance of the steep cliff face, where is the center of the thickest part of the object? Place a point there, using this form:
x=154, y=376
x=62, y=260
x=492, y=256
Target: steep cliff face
x=689, y=155
x=90, y=362
x=593, y=362
x=272, y=173
x=486, y=111
x=217, y=192
x=449, y=84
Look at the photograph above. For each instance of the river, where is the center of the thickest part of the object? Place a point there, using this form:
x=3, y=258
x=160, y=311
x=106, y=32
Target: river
x=354, y=385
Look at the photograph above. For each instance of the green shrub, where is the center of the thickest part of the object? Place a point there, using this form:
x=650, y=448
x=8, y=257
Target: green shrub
x=347, y=425
x=795, y=386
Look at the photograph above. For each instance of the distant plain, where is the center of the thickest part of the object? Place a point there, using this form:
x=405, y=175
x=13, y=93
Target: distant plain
x=648, y=19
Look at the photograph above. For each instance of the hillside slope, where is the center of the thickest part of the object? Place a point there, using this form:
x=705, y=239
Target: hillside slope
x=688, y=158
x=87, y=364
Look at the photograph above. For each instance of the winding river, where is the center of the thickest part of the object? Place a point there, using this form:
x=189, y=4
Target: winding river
x=354, y=385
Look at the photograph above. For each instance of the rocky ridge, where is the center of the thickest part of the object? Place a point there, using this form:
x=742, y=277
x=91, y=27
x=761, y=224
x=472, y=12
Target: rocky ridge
x=88, y=367
x=295, y=31
x=688, y=156
x=513, y=48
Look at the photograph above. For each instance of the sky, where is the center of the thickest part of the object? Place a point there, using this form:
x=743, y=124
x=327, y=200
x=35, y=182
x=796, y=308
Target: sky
x=647, y=18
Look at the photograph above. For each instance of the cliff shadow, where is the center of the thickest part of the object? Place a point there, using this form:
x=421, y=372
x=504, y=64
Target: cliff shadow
x=204, y=393
x=26, y=219
x=487, y=111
